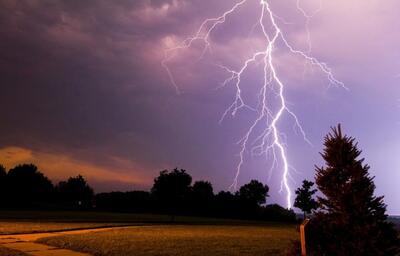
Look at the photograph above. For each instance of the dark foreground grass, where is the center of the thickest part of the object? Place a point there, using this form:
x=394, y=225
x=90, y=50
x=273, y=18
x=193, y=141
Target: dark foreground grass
x=28, y=227
x=9, y=252
x=106, y=217
x=79, y=216
x=20, y=222
x=191, y=240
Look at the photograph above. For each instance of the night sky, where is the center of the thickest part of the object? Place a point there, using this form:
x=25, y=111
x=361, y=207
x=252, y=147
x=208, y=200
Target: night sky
x=83, y=90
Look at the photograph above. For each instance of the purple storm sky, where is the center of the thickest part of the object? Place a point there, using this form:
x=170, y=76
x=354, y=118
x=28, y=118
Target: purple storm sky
x=83, y=90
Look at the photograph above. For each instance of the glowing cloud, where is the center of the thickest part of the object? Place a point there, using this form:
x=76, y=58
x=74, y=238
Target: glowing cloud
x=59, y=166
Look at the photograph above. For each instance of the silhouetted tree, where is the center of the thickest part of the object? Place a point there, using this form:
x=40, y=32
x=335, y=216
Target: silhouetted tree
x=132, y=201
x=202, y=197
x=275, y=212
x=255, y=193
x=3, y=172
x=26, y=185
x=112, y=201
x=226, y=204
x=304, y=198
x=140, y=201
x=352, y=220
x=75, y=192
x=172, y=189
x=202, y=191
x=3, y=176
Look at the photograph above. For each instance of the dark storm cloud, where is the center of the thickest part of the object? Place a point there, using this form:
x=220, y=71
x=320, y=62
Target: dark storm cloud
x=84, y=79
x=71, y=76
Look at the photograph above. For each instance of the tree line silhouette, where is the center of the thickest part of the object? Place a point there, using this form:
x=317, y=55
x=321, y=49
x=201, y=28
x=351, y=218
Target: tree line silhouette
x=24, y=186
x=173, y=193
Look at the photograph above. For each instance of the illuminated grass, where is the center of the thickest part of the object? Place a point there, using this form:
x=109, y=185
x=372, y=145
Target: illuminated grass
x=37, y=227
x=9, y=252
x=182, y=240
x=16, y=222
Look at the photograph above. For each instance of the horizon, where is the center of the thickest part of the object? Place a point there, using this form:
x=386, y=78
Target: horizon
x=296, y=210
x=84, y=91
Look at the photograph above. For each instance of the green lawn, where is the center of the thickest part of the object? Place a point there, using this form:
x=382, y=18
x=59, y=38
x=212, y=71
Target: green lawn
x=218, y=240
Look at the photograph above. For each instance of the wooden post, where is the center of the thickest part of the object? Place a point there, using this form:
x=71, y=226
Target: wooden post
x=303, y=237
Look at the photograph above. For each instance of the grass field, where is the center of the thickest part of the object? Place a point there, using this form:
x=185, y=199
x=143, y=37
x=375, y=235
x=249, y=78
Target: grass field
x=106, y=217
x=152, y=234
x=9, y=252
x=19, y=222
x=182, y=240
x=25, y=227
x=80, y=216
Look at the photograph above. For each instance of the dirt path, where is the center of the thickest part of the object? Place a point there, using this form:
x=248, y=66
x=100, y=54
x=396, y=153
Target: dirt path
x=26, y=242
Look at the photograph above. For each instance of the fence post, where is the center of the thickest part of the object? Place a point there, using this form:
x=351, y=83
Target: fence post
x=303, y=237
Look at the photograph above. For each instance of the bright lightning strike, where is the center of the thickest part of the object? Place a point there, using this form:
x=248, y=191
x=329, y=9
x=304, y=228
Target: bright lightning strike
x=270, y=141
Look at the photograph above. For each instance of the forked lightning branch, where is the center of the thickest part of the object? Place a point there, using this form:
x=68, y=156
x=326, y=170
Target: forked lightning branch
x=270, y=141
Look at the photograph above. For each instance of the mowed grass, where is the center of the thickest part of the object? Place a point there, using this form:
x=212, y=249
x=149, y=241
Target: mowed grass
x=9, y=252
x=79, y=216
x=21, y=222
x=219, y=240
x=25, y=227
x=106, y=217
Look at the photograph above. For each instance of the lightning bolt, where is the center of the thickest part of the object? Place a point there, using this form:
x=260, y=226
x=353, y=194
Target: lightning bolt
x=270, y=141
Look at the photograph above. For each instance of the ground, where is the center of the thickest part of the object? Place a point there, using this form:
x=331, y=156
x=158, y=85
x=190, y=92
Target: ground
x=25, y=227
x=146, y=235
x=181, y=240
x=9, y=252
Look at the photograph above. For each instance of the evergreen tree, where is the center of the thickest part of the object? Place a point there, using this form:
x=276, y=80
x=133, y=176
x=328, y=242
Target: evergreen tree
x=304, y=198
x=352, y=220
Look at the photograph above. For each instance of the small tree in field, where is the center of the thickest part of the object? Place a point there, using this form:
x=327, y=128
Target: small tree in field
x=304, y=198
x=352, y=220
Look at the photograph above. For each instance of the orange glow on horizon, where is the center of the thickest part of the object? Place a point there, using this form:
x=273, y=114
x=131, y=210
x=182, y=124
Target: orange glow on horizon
x=61, y=166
